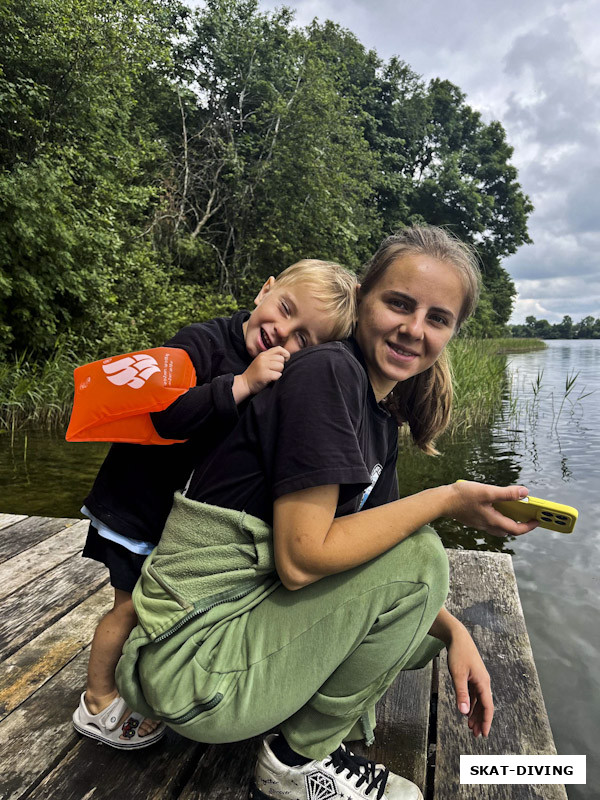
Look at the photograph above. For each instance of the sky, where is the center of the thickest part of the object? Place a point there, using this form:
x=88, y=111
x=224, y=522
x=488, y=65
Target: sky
x=535, y=66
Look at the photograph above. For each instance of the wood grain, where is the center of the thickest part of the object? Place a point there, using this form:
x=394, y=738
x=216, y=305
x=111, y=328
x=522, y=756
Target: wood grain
x=484, y=596
x=26, y=613
x=100, y=772
x=402, y=727
x=42, y=557
x=10, y=519
x=51, y=600
x=40, y=732
x=30, y=667
x=29, y=531
x=223, y=772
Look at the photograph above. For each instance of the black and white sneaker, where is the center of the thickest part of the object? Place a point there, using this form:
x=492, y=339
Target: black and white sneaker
x=340, y=776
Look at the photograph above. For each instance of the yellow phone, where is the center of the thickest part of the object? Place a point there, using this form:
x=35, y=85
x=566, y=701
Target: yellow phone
x=553, y=516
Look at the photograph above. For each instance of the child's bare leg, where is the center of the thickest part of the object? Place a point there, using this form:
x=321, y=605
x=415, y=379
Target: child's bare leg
x=107, y=644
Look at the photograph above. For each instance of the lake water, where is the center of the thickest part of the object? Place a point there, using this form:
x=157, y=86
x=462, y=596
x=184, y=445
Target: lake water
x=551, y=447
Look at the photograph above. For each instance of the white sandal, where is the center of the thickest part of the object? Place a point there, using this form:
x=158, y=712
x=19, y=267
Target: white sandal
x=105, y=726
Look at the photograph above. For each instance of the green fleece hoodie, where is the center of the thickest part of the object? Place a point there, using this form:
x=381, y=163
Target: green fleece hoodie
x=211, y=566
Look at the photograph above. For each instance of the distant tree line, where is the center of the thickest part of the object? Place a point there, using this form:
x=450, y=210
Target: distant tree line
x=158, y=162
x=588, y=328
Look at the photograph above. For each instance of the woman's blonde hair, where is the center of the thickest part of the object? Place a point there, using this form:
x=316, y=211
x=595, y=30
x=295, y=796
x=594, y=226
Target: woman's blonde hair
x=332, y=285
x=424, y=401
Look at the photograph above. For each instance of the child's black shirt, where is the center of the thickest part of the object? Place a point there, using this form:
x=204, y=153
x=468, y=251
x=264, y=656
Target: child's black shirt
x=134, y=489
x=319, y=424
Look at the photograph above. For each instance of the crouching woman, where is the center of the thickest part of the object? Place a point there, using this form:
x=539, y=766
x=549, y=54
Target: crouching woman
x=291, y=585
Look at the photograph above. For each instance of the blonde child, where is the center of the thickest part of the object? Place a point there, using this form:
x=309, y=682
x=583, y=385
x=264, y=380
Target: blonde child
x=310, y=302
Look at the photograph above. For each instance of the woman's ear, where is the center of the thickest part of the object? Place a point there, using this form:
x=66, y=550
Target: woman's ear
x=268, y=285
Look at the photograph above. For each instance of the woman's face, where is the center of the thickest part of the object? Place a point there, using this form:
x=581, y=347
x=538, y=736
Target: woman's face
x=407, y=319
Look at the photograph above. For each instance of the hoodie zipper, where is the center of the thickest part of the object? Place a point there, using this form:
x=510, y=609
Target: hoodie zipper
x=195, y=711
x=198, y=611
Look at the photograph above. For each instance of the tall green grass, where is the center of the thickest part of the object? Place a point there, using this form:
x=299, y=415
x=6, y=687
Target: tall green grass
x=479, y=378
x=40, y=394
x=37, y=393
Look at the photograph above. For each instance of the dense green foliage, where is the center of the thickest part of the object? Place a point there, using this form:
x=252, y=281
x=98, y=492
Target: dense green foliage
x=588, y=328
x=158, y=162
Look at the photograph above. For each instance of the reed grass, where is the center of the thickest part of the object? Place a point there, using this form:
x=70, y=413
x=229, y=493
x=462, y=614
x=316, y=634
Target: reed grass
x=480, y=379
x=37, y=393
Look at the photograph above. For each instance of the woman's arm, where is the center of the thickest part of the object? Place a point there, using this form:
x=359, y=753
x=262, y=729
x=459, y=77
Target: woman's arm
x=310, y=543
x=469, y=675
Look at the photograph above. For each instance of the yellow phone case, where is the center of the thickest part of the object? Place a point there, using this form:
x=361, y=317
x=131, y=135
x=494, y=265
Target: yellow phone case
x=553, y=516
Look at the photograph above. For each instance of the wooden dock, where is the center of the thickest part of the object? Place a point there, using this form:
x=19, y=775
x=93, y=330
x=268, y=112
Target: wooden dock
x=51, y=600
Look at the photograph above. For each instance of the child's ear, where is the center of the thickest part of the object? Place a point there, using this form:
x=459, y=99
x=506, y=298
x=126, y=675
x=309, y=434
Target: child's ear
x=268, y=285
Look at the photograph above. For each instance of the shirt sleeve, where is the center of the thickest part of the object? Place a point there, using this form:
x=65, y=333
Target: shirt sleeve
x=318, y=407
x=210, y=401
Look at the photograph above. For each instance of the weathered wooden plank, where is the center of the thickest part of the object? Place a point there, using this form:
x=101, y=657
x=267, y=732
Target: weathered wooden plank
x=484, y=596
x=29, y=531
x=223, y=772
x=26, y=613
x=103, y=773
x=10, y=519
x=42, y=557
x=402, y=727
x=30, y=667
x=40, y=731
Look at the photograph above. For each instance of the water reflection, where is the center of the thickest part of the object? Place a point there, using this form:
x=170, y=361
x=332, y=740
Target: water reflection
x=42, y=474
x=482, y=457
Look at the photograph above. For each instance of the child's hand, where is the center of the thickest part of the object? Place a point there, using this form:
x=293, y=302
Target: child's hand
x=471, y=682
x=471, y=504
x=264, y=369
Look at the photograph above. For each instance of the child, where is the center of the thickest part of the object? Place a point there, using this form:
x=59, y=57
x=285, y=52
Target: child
x=310, y=302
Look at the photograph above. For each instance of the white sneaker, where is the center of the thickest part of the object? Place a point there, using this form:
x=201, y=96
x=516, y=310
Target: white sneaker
x=340, y=776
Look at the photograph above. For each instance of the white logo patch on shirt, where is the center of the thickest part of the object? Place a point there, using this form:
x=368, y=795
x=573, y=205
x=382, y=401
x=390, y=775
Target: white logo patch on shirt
x=375, y=473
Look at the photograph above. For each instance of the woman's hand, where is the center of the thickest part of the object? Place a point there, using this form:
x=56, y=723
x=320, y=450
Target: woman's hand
x=471, y=504
x=471, y=681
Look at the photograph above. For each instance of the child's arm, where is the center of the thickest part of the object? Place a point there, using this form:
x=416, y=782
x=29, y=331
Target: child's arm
x=469, y=675
x=214, y=400
x=264, y=369
x=208, y=406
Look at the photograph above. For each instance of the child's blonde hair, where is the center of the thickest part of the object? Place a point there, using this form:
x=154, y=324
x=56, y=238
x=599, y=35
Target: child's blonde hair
x=332, y=285
x=425, y=400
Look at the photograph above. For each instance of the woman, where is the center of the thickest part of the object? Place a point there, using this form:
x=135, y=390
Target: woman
x=291, y=584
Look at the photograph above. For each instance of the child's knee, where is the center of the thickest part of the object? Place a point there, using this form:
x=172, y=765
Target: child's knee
x=123, y=608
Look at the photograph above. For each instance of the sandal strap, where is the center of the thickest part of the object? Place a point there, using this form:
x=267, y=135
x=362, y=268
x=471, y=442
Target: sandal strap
x=111, y=716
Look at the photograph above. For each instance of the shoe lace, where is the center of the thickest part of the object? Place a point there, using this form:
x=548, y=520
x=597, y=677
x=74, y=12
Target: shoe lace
x=376, y=775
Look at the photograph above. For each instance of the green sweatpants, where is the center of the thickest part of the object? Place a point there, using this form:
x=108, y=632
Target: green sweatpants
x=313, y=661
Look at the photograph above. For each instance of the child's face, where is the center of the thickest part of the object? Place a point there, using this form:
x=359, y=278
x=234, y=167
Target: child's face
x=289, y=316
x=408, y=318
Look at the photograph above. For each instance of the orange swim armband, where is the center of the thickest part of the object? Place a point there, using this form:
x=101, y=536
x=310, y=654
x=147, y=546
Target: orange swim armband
x=114, y=396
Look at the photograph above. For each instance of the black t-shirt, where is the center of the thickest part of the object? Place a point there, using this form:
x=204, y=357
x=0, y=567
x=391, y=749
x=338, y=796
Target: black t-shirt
x=319, y=424
x=134, y=489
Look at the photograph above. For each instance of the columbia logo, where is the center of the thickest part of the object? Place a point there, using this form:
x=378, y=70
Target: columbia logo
x=131, y=371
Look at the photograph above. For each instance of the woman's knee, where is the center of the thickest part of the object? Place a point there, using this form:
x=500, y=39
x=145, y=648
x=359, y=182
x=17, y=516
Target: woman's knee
x=421, y=558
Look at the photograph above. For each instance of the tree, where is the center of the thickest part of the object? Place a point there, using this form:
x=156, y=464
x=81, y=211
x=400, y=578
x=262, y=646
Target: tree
x=271, y=166
x=77, y=159
x=564, y=329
